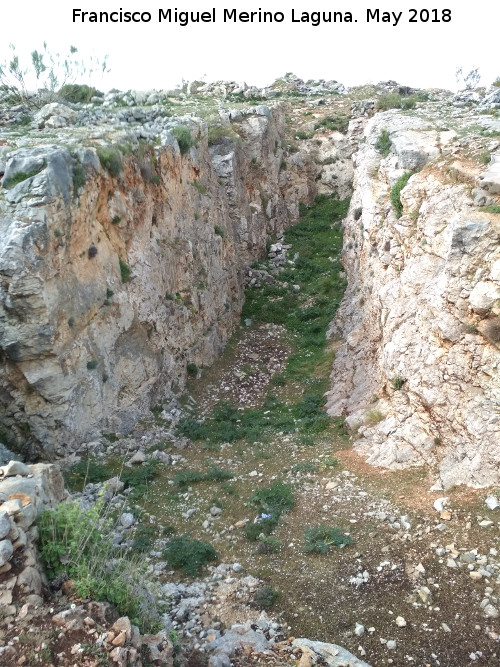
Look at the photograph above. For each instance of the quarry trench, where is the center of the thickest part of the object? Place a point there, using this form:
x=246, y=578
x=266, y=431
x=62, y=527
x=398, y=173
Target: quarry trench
x=397, y=564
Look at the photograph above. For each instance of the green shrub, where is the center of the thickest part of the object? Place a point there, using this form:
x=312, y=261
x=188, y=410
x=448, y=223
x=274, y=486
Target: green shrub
x=395, y=194
x=216, y=474
x=265, y=596
x=189, y=555
x=388, y=101
x=139, y=478
x=125, y=271
x=496, y=82
x=93, y=363
x=192, y=369
x=111, y=160
x=219, y=231
x=319, y=539
x=183, y=136
x=396, y=101
x=188, y=477
x=397, y=382
x=300, y=134
x=383, y=143
x=85, y=472
x=275, y=500
x=116, y=219
x=58, y=233
x=218, y=132
x=338, y=123
x=79, y=176
x=76, y=93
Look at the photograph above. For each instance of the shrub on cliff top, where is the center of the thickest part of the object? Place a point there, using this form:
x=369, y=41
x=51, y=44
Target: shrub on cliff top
x=111, y=160
x=183, y=136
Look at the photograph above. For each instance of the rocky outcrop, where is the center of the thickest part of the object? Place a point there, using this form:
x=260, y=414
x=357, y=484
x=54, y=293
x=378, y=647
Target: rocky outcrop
x=113, y=278
x=417, y=372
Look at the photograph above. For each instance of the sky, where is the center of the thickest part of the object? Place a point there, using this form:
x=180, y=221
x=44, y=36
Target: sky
x=161, y=55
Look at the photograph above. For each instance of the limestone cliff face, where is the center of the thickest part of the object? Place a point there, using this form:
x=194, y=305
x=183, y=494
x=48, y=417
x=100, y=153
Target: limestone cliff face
x=417, y=374
x=87, y=347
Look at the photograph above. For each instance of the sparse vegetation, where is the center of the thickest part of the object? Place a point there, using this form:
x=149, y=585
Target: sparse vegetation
x=397, y=382
x=125, y=271
x=21, y=176
x=383, y=143
x=111, y=160
x=321, y=538
x=183, y=136
x=93, y=363
x=78, y=543
x=395, y=194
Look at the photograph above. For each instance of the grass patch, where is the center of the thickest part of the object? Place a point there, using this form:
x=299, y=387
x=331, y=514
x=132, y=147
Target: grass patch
x=21, y=176
x=491, y=209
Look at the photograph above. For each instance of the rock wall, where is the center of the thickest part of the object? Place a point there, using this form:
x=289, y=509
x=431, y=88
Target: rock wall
x=417, y=373
x=86, y=347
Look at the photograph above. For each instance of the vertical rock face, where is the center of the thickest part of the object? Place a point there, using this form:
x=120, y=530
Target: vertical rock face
x=109, y=288
x=417, y=374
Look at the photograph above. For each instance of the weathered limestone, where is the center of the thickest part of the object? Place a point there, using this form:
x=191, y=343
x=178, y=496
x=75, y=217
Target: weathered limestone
x=417, y=381
x=86, y=351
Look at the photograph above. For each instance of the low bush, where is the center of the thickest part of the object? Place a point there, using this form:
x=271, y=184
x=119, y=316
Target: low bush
x=111, y=160
x=321, y=538
x=189, y=555
x=21, y=176
x=74, y=92
x=265, y=597
x=85, y=472
x=183, y=136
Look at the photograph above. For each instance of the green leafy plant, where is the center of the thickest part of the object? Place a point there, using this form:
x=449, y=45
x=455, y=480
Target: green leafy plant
x=189, y=555
x=321, y=538
x=395, y=194
x=93, y=363
x=219, y=231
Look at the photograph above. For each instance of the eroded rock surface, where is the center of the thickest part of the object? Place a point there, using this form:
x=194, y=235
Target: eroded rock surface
x=417, y=371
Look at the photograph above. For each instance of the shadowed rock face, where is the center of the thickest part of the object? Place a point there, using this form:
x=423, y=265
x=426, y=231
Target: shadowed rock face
x=110, y=285
x=417, y=373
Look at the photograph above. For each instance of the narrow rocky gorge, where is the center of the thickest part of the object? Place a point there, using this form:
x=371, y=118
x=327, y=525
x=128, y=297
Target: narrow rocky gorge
x=169, y=266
